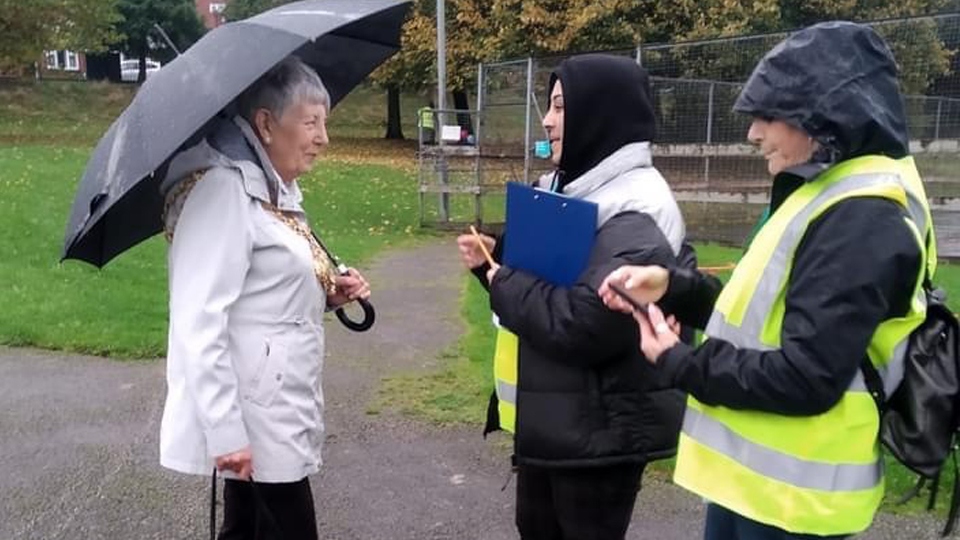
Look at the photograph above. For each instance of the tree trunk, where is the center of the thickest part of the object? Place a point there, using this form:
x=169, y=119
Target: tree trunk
x=142, y=73
x=394, y=127
x=461, y=102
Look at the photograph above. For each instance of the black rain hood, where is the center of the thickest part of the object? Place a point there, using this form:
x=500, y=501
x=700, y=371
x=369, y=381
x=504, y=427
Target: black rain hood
x=837, y=81
x=607, y=104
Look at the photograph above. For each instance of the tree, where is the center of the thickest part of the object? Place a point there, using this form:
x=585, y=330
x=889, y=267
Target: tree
x=29, y=28
x=485, y=30
x=558, y=26
x=411, y=69
x=470, y=41
x=178, y=18
x=469, y=28
x=920, y=52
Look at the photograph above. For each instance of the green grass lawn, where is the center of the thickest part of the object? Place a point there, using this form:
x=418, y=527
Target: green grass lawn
x=47, y=130
x=61, y=113
x=77, y=113
x=122, y=309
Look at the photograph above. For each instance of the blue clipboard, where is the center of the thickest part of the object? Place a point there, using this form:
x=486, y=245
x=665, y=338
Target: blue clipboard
x=548, y=234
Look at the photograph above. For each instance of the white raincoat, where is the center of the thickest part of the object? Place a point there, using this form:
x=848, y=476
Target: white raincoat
x=246, y=339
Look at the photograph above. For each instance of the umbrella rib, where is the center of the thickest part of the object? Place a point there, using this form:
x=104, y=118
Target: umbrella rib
x=365, y=40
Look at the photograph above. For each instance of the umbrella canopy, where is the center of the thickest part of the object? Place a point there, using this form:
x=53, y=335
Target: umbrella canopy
x=118, y=202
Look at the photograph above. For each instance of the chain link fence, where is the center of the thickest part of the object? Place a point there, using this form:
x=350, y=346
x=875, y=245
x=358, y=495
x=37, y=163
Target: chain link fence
x=701, y=143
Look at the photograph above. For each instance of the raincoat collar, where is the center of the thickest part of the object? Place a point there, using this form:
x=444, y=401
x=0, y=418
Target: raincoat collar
x=790, y=179
x=262, y=181
x=232, y=144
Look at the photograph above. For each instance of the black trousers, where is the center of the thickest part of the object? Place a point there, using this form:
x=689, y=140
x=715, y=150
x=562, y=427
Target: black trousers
x=576, y=504
x=286, y=511
x=722, y=524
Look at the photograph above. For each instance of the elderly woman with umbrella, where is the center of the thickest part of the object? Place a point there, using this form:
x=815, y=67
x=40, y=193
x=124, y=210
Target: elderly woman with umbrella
x=209, y=151
x=248, y=287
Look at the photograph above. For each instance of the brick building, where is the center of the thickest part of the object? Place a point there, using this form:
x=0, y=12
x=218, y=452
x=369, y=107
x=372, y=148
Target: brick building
x=62, y=65
x=211, y=11
x=70, y=64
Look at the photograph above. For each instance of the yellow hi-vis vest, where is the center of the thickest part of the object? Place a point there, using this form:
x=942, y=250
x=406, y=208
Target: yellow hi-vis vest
x=818, y=474
x=425, y=117
x=505, y=369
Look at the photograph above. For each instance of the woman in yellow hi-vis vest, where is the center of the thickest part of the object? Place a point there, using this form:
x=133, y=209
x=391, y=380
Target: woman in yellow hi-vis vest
x=780, y=433
x=586, y=411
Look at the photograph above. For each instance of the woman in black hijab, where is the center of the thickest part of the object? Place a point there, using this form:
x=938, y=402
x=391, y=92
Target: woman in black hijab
x=590, y=415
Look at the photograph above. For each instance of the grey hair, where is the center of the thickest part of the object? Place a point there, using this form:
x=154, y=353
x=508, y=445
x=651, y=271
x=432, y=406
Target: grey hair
x=291, y=81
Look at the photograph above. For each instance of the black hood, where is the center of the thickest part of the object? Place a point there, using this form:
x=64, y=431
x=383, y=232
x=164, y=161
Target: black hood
x=838, y=82
x=607, y=104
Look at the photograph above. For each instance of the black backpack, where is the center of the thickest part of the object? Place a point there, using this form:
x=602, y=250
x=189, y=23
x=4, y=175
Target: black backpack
x=919, y=421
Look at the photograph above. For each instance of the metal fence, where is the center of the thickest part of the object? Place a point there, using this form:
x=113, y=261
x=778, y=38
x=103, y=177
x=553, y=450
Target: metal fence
x=701, y=144
x=696, y=83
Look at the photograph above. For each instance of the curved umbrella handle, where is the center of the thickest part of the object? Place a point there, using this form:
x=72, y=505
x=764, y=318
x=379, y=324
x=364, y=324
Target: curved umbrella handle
x=369, y=316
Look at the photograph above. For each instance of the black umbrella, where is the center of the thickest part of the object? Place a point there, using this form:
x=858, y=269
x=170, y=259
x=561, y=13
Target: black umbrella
x=118, y=202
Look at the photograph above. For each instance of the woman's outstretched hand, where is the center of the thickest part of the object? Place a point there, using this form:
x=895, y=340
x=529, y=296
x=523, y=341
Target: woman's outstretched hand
x=644, y=284
x=657, y=333
x=470, y=251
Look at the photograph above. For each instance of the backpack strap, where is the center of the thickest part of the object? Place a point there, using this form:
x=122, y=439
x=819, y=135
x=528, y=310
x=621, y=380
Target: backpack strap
x=870, y=374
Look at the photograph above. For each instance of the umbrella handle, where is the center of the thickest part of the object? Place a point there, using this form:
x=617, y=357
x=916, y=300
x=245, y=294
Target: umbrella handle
x=369, y=316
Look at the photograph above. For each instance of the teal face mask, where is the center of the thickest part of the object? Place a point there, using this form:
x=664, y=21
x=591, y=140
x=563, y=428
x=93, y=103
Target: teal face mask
x=541, y=149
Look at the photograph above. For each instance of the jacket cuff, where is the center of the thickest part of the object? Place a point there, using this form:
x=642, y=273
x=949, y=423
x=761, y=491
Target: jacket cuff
x=227, y=437
x=673, y=361
x=497, y=292
x=480, y=272
x=681, y=282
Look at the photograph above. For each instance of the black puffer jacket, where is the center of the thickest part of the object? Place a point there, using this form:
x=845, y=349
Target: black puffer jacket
x=585, y=395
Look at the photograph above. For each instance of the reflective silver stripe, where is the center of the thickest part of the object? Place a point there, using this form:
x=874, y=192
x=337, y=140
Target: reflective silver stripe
x=777, y=465
x=859, y=384
x=747, y=336
x=892, y=372
x=775, y=273
x=719, y=328
x=507, y=392
x=917, y=213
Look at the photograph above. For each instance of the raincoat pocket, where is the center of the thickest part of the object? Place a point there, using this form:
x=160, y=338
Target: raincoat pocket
x=270, y=374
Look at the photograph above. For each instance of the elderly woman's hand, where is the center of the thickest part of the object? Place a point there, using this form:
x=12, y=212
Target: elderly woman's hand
x=657, y=334
x=240, y=462
x=350, y=287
